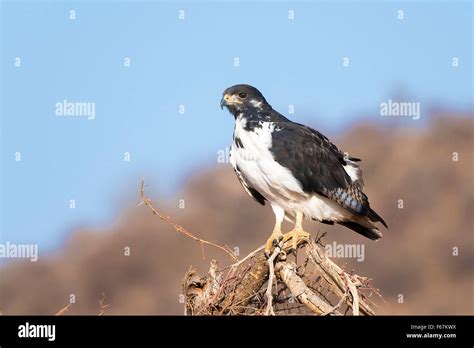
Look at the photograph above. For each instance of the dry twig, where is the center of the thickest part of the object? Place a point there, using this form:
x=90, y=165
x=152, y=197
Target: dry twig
x=271, y=277
x=102, y=305
x=64, y=309
x=179, y=228
x=296, y=285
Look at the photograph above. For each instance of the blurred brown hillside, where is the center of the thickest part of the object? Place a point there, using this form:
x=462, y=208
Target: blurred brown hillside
x=414, y=259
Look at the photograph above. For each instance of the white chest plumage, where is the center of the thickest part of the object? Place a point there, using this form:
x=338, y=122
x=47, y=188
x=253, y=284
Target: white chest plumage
x=256, y=162
x=250, y=154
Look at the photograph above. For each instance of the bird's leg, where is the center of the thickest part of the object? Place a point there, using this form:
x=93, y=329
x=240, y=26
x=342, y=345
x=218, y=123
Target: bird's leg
x=297, y=234
x=275, y=237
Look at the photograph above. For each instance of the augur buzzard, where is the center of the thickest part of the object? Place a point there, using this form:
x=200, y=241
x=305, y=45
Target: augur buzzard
x=296, y=169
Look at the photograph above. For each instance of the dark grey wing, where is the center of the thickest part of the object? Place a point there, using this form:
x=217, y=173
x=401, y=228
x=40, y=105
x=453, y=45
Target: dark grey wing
x=311, y=157
x=317, y=164
x=250, y=190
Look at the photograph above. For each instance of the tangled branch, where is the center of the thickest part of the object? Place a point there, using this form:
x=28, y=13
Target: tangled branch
x=317, y=287
x=257, y=285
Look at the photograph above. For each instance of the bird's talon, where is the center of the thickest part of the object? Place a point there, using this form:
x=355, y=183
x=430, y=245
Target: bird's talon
x=296, y=237
x=273, y=242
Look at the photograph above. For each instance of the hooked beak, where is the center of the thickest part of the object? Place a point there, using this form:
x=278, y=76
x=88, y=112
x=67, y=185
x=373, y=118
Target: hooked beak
x=228, y=100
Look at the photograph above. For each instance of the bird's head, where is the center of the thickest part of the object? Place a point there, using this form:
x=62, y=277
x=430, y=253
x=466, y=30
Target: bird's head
x=241, y=98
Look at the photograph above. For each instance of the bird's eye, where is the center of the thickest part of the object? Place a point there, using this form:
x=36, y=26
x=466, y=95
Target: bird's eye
x=242, y=95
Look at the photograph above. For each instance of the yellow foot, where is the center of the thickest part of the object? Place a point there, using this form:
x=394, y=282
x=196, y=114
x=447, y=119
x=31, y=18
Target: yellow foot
x=296, y=236
x=275, y=238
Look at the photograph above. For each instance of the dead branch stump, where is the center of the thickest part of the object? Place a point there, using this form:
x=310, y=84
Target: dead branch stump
x=317, y=286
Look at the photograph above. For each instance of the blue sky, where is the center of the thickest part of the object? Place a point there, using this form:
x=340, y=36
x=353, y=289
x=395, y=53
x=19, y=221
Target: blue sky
x=190, y=62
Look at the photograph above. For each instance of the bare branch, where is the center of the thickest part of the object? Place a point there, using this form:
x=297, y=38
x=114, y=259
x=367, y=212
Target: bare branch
x=296, y=285
x=102, y=305
x=339, y=304
x=354, y=294
x=64, y=309
x=147, y=201
x=246, y=286
x=334, y=275
x=271, y=276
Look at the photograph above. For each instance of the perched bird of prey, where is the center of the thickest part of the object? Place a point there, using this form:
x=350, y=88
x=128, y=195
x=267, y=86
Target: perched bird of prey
x=296, y=169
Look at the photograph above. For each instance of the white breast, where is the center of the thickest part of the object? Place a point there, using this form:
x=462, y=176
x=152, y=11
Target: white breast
x=257, y=165
x=275, y=182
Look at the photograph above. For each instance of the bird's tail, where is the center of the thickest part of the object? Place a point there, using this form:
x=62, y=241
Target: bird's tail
x=365, y=225
x=370, y=231
x=374, y=217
